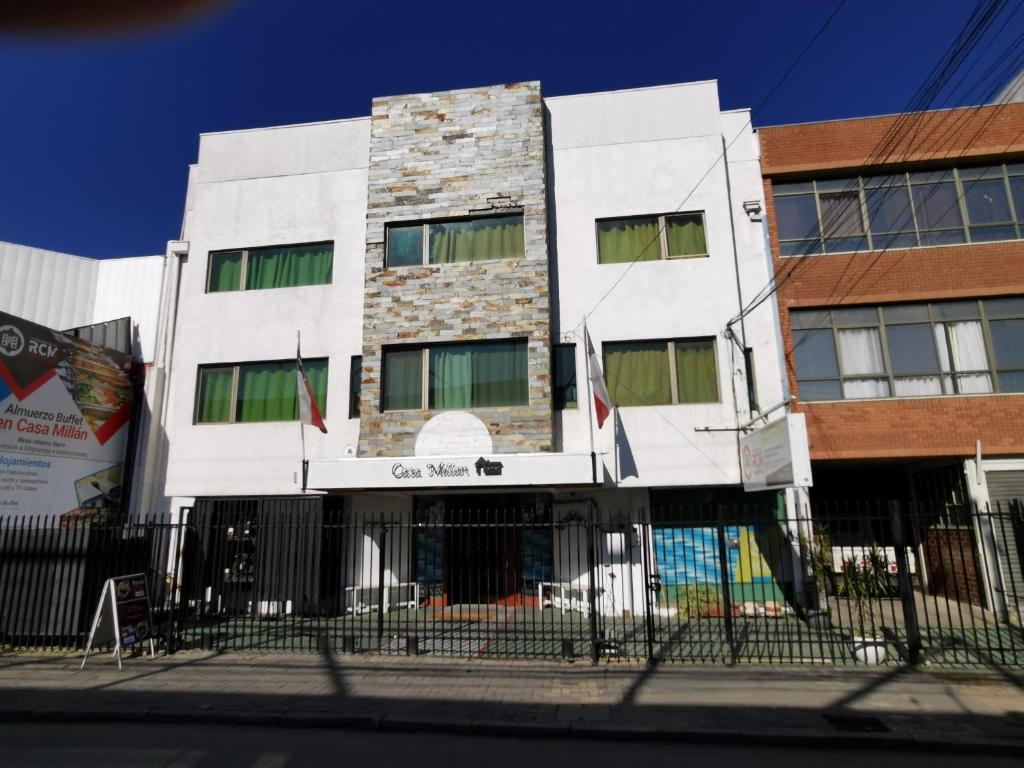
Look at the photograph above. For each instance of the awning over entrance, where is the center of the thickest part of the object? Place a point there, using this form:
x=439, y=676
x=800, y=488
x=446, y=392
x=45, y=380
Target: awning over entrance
x=475, y=471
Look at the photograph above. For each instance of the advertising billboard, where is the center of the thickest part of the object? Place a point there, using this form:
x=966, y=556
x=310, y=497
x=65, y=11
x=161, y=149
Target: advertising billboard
x=65, y=407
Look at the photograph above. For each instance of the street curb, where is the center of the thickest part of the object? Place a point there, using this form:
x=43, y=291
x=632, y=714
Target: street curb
x=494, y=728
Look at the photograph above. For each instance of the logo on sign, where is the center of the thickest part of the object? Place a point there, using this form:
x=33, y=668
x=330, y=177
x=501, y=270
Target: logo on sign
x=488, y=468
x=12, y=341
x=42, y=348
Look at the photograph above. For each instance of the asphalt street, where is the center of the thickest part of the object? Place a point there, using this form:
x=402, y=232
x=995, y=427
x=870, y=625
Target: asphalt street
x=174, y=746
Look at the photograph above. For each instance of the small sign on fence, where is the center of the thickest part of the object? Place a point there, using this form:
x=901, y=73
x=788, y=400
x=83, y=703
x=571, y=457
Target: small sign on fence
x=122, y=616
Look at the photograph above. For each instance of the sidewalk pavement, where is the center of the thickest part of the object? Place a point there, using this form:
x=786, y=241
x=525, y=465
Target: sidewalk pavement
x=814, y=706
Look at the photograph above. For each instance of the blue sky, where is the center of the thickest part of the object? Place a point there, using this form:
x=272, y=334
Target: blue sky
x=96, y=136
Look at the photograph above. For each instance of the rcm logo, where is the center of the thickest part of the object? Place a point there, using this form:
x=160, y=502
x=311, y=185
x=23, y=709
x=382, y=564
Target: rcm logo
x=12, y=341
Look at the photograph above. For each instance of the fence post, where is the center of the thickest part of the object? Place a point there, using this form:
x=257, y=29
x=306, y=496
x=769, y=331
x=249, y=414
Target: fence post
x=906, y=588
x=591, y=589
x=723, y=562
x=380, y=587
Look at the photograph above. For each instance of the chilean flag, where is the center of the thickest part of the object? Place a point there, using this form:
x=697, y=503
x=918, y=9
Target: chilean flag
x=602, y=403
x=309, y=413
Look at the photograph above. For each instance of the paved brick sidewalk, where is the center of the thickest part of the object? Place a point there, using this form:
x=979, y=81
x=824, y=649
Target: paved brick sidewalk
x=823, y=706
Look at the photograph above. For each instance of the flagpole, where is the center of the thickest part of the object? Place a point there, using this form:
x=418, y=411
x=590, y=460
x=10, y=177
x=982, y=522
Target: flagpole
x=590, y=398
x=302, y=426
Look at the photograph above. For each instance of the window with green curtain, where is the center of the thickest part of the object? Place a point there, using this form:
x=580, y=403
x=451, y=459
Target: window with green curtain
x=685, y=235
x=637, y=373
x=405, y=245
x=225, y=271
x=696, y=372
x=214, y=397
x=478, y=375
x=495, y=237
x=403, y=379
x=621, y=241
x=290, y=266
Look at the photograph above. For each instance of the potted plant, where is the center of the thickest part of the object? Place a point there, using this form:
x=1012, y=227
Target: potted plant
x=863, y=582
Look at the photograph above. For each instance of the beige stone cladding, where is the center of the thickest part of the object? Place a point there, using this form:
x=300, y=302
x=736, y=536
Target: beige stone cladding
x=447, y=155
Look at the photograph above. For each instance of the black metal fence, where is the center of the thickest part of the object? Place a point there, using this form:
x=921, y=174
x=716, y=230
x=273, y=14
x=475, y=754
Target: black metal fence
x=837, y=584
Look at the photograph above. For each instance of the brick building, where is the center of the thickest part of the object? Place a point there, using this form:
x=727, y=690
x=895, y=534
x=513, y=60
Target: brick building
x=898, y=246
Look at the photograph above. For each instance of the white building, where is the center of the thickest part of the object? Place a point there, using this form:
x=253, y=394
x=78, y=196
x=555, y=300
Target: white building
x=497, y=220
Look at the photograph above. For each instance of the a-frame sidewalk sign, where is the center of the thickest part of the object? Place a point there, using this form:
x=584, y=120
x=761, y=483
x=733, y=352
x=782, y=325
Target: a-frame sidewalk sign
x=122, y=616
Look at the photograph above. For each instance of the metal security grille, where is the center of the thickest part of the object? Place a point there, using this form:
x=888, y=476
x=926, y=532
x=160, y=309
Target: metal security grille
x=713, y=583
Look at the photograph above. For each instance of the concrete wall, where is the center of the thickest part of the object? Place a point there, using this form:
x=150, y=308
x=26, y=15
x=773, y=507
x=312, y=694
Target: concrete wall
x=278, y=186
x=652, y=151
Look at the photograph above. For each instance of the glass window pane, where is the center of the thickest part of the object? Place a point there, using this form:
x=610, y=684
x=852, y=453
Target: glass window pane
x=638, y=373
x=1017, y=190
x=854, y=316
x=918, y=386
x=926, y=177
x=800, y=247
x=789, y=189
x=685, y=235
x=820, y=390
x=355, y=385
x=225, y=271
x=696, y=373
x=815, y=353
x=846, y=244
x=906, y=313
x=912, y=349
x=966, y=343
x=266, y=392
x=1010, y=307
x=955, y=310
x=937, y=206
x=289, y=267
x=810, y=318
x=943, y=237
x=620, y=241
x=797, y=217
x=214, y=395
x=403, y=379
x=986, y=202
x=993, y=234
x=405, y=245
x=1012, y=382
x=495, y=237
x=840, y=214
x=889, y=210
x=894, y=180
x=896, y=240
x=1008, y=343
x=478, y=375
x=981, y=172
x=564, y=390
x=862, y=389
x=837, y=185
x=1015, y=168
x=861, y=352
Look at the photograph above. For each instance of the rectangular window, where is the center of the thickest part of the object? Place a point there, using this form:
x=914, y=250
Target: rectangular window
x=455, y=242
x=651, y=238
x=278, y=267
x=902, y=210
x=910, y=350
x=482, y=374
x=661, y=372
x=564, y=389
x=252, y=392
x=355, y=385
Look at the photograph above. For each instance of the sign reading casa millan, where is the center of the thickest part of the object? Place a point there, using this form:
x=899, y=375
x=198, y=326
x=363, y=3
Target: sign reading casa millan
x=64, y=411
x=444, y=469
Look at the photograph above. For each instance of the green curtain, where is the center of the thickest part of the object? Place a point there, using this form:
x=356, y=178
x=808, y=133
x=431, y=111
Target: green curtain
x=290, y=267
x=266, y=392
x=451, y=376
x=686, y=235
x=480, y=375
x=498, y=237
x=637, y=373
x=403, y=380
x=225, y=271
x=696, y=373
x=215, y=395
x=625, y=240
